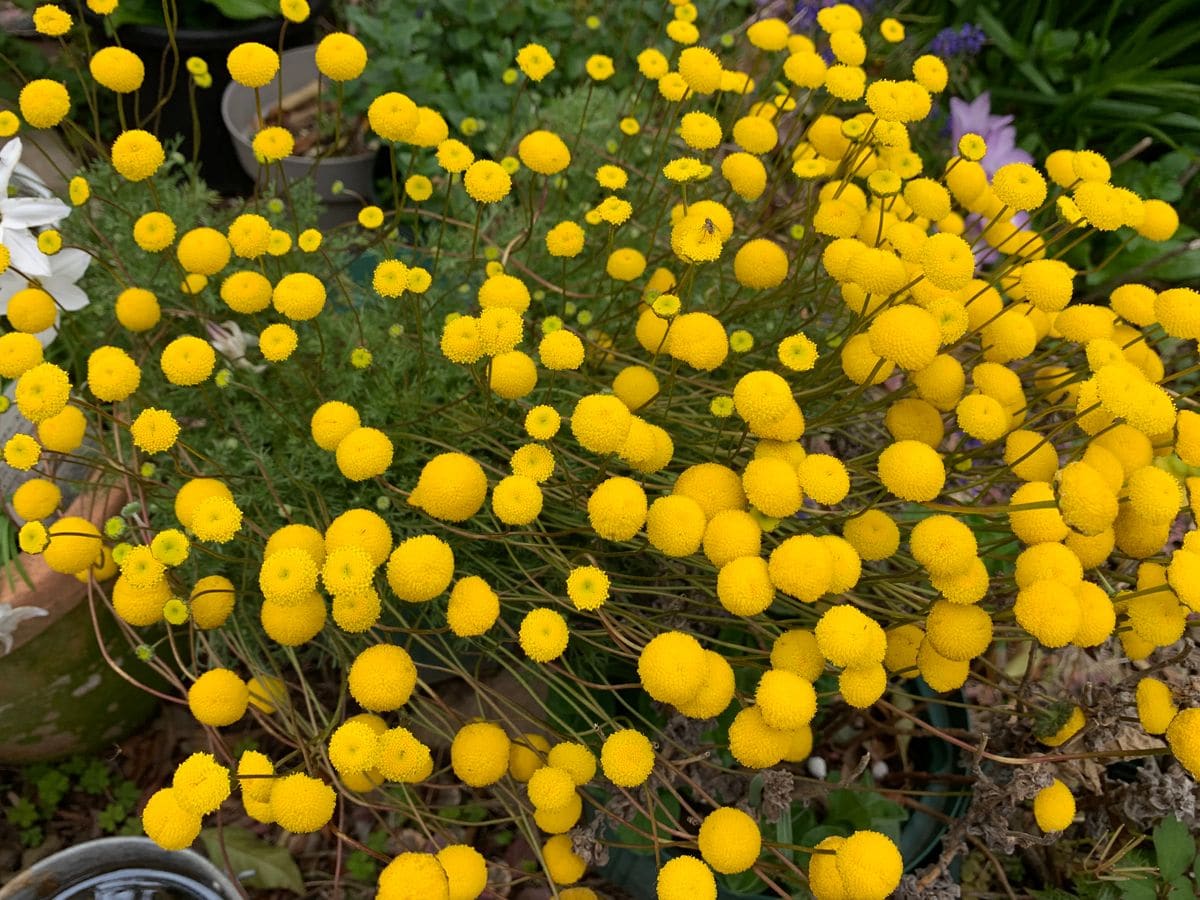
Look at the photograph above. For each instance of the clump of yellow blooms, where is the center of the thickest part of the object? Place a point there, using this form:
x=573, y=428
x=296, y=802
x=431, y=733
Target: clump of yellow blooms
x=754, y=431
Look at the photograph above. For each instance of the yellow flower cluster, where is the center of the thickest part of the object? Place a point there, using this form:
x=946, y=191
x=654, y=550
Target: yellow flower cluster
x=804, y=403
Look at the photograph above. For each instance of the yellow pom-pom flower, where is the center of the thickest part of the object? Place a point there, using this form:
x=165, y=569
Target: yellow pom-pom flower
x=201, y=784
x=1054, y=807
x=627, y=758
x=912, y=470
x=479, y=754
x=136, y=155
x=420, y=568
x=341, y=57
x=543, y=635
x=218, y=697
x=729, y=840
x=451, y=487
x=166, y=822
x=302, y=804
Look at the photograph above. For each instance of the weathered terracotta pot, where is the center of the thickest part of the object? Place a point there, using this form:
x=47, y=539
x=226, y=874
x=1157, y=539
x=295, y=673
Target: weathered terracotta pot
x=58, y=694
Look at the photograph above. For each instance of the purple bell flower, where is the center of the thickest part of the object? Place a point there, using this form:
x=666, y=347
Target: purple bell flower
x=998, y=131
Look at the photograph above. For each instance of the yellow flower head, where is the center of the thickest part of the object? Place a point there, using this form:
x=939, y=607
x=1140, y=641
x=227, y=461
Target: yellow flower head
x=486, y=181
x=599, y=67
x=892, y=30
x=370, y=217
x=250, y=64
x=117, y=69
x=972, y=147
x=44, y=103
x=51, y=20
x=535, y=61
x=273, y=143
x=341, y=57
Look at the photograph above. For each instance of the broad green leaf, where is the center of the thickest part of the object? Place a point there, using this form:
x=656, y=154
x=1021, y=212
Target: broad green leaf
x=1181, y=889
x=271, y=867
x=1104, y=890
x=247, y=9
x=1174, y=848
x=784, y=832
x=1184, y=267
x=1138, y=889
x=744, y=883
x=666, y=811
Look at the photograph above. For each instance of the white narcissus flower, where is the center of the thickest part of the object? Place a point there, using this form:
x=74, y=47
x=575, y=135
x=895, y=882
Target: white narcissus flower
x=29, y=266
x=19, y=214
x=64, y=269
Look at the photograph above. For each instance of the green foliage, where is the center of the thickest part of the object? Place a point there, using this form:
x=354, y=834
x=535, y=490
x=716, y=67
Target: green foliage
x=22, y=813
x=1175, y=856
x=258, y=864
x=1174, y=848
x=10, y=555
x=247, y=9
x=1090, y=72
x=468, y=812
x=638, y=833
x=42, y=792
x=95, y=778
x=451, y=54
x=1171, y=177
x=195, y=13
x=851, y=810
x=1162, y=866
x=1111, y=77
x=362, y=866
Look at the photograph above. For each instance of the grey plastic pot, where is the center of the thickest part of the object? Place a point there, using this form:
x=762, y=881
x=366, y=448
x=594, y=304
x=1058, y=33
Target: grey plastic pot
x=121, y=867
x=297, y=69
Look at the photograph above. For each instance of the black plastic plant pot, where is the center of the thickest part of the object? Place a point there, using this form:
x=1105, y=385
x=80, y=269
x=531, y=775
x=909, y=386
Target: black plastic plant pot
x=920, y=836
x=120, y=867
x=212, y=43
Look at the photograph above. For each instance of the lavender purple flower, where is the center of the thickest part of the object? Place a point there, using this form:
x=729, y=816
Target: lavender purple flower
x=804, y=12
x=966, y=40
x=1001, y=137
x=999, y=132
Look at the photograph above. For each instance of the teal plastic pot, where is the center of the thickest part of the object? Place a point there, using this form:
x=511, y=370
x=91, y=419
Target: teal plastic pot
x=920, y=837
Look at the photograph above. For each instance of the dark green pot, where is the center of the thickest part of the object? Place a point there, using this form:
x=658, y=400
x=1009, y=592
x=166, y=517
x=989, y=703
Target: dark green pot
x=58, y=694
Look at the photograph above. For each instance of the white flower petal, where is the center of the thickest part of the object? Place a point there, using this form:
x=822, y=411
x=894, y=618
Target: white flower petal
x=69, y=264
x=47, y=336
x=24, y=253
x=10, y=155
x=10, y=283
x=31, y=212
x=65, y=294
